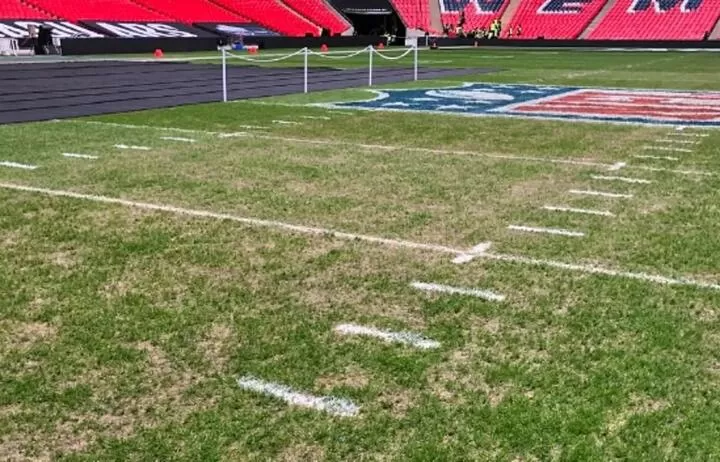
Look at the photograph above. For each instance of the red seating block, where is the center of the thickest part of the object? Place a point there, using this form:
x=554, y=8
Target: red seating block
x=667, y=20
x=414, y=13
x=15, y=9
x=320, y=13
x=273, y=15
x=99, y=10
x=554, y=19
x=190, y=11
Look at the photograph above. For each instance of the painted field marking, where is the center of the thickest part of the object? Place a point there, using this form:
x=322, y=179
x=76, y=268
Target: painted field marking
x=375, y=147
x=620, y=178
x=664, y=148
x=315, y=117
x=698, y=135
x=285, y=122
x=475, y=252
x=135, y=148
x=559, y=232
x=589, y=269
x=640, y=156
x=604, y=213
x=177, y=138
x=78, y=156
x=677, y=141
x=407, y=338
x=484, y=294
x=617, y=166
x=599, y=193
x=17, y=165
x=335, y=406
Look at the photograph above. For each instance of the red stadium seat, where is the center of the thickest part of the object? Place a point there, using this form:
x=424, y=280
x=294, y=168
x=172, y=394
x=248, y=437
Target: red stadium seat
x=414, y=13
x=554, y=19
x=320, y=13
x=273, y=15
x=15, y=9
x=478, y=13
x=190, y=11
x=658, y=20
x=99, y=10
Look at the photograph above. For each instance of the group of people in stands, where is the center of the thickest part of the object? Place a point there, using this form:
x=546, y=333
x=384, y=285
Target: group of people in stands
x=493, y=32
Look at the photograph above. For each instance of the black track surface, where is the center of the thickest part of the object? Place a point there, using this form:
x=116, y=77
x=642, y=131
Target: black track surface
x=45, y=91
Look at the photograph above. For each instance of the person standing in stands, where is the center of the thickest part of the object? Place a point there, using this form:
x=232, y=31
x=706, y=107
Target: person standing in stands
x=518, y=30
x=510, y=32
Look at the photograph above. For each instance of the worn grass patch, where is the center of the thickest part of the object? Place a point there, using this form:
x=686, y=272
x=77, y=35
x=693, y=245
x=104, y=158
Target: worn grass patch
x=123, y=330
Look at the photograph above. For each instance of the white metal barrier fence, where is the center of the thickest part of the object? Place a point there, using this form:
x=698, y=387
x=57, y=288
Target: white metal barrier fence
x=307, y=52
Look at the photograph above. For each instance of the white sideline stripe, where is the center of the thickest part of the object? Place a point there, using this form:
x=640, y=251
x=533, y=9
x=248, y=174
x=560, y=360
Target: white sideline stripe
x=473, y=253
x=639, y=156
x=699, y=135
x=285, y=122
x=590, y=269
x=176, y=138
x=548, y=160
x=484, y=294
x=603, y=213
x=677, y=141
x=315, y=117
x=18, y=165
x=663, y=148
x=406, y=338
x=335, y=406
x=617, y=166
x=78, y=156
x=620, y=178
x=599, y=193
x=136, y=148
x=559, y=232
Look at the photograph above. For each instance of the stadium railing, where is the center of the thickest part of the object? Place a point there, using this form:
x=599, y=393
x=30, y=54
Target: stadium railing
x=328, y=55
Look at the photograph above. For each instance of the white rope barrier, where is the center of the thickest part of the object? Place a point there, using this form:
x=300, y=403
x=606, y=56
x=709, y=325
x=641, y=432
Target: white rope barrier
x=306, y=52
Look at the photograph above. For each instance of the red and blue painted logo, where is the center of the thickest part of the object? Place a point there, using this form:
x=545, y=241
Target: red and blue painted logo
x=651, y=107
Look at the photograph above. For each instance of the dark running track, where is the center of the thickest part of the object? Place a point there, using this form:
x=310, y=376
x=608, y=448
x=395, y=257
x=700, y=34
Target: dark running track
x=31, y=92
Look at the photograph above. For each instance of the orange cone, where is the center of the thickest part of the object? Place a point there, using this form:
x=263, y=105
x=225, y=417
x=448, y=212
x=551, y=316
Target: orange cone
x=381, y=46
x=324, y=48
x=159, y=53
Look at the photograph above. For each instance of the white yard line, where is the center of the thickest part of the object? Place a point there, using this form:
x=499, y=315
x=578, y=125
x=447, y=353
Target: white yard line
x=484, y=294
x=473, y=253
x=285, y=122
x=664, y=148
x=558, y=232
x=603, y=213
x=640, y=156
x=677, y=141
x=315, y=117
x=133, y=148
x=622, y=179
x=177, y=138
x=376, y=147
x=698, y=135
x=407, y=338
x=617, y=166
x=17, y=165
x=589, y=192
x=591, y=269
x=335, y=406
x=78, y=156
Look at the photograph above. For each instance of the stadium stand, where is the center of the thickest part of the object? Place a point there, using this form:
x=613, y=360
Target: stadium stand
x=475, y=16
x=98, y=10
x=554, y=19
x=414, y=13
x=190, y=11
x=320, y=13
x=658, y=20
x=15, y=9
x=272, y=14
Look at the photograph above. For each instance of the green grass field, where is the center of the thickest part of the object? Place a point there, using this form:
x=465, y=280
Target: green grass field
x=125, y=326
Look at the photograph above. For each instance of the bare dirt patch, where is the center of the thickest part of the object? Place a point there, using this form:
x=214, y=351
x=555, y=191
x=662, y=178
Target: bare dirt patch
x=638, y=406
x=302, y=452
x=353, y=377
x=23, y=335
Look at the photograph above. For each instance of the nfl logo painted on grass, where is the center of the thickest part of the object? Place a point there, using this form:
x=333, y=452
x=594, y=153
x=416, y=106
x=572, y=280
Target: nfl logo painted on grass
x=655, y=107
